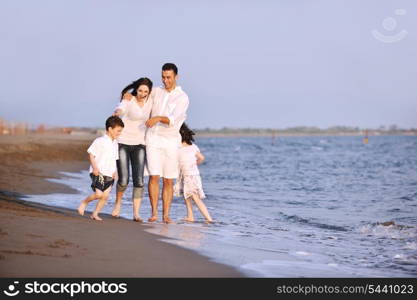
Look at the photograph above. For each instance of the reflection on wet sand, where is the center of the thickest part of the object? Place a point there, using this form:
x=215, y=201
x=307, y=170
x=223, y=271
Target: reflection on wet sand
x=185, y=235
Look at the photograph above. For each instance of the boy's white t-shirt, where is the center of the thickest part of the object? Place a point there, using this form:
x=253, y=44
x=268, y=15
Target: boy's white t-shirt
x=106, y=152
x=188, y=160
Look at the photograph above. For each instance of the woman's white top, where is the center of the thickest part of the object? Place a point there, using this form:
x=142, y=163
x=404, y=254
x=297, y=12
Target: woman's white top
x=188, y=159
x=134, y=118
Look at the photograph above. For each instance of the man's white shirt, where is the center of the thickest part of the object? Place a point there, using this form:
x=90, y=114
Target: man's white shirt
x=172, y=105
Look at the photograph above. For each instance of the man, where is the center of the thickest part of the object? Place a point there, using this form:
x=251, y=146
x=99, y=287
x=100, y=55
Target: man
x=163, y=139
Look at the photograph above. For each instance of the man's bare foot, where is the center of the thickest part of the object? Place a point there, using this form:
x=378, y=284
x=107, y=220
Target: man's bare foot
x=96, y=218
x=82, y=207
x=167, y=220
x=152, y=219
x=187, y=219
x=209, y=221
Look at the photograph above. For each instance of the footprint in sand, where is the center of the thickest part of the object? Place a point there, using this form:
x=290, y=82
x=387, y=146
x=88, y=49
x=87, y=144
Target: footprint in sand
x=30, y=252
x=34, y=235
x=61, y=244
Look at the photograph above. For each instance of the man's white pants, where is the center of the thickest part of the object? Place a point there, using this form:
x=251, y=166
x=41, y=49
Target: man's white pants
x=162, y=161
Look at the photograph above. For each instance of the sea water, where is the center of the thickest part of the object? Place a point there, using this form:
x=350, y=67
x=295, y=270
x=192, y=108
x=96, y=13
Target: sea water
x=295, y=206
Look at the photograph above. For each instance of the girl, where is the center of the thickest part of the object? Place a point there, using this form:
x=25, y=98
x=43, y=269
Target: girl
x=134, y=112
x=189, y=180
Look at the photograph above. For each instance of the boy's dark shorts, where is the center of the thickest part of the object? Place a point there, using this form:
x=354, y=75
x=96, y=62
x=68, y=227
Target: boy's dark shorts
x=101, y=182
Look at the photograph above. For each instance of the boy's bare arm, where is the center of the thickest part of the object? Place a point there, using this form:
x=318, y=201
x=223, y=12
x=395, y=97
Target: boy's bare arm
x=93, y=163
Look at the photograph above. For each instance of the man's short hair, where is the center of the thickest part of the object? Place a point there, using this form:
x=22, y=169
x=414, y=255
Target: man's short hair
x=170, y=66
x=113, y=122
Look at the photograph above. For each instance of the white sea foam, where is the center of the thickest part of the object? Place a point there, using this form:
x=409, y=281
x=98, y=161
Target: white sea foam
x=411, y=246
x=302, y=253
x=391, y=231
x=400, y=256
x=291, y=268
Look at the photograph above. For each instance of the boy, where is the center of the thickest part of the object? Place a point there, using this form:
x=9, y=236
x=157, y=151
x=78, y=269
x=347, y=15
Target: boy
x=103, y=153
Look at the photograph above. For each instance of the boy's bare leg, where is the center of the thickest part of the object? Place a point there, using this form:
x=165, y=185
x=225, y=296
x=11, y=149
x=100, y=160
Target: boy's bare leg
x=167, y=194
x=100, y=204
x=84, y=203
x=190, y=215
x=153, y=189
x=202, y=207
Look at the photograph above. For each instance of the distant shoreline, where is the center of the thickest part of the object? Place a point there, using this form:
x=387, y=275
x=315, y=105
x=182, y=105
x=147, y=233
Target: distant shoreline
x=278, y=135
x=90, y=135
x=23, y=129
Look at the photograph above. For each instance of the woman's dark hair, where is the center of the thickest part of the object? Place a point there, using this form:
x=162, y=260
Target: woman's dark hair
x=186, y=134
x=170, y=66
x=136, y=84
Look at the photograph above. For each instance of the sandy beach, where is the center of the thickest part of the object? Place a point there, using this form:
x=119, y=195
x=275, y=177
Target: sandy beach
x=44, y=241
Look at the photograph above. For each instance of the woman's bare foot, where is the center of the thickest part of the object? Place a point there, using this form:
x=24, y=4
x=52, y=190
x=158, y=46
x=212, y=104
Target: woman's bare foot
x=152, y=219
x=96, y=218
x=82, y=207
x=167, y=220
x=209, y=221
x=116, y=212
x=187, y=219
x=137, y=219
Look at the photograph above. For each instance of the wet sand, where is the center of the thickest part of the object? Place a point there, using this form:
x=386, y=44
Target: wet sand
x=42, y=241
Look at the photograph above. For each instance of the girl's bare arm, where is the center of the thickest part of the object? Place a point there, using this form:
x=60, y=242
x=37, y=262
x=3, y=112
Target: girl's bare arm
x=200, y=158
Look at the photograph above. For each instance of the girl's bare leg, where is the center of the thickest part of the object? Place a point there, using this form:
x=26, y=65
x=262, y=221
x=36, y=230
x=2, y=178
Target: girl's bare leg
x=190, y=215
x=202, y=207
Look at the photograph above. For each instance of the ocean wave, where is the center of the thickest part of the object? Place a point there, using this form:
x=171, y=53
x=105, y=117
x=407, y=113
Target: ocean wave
x=409, y=197
x=389, y=230
x=311, y=222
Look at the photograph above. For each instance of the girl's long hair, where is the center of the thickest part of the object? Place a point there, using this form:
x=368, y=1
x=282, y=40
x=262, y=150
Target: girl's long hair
x=135, y=85
x=186, y=134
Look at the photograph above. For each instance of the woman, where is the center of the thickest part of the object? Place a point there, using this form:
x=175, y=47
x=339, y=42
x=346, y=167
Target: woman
x=134, y=112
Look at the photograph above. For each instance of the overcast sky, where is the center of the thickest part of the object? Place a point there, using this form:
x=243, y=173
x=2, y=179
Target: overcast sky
x=243, y=63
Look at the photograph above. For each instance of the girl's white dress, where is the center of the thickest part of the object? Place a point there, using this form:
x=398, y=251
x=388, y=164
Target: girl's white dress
x=189, y=180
